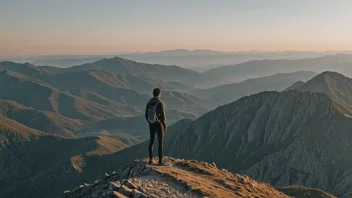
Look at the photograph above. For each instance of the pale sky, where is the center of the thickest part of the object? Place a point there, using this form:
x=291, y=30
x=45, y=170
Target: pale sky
x=33, y=27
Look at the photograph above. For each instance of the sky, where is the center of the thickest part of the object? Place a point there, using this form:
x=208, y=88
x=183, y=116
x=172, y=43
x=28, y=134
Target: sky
x=38, y=27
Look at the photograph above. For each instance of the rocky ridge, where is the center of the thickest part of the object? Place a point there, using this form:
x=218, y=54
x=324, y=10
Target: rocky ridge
x=178, y=178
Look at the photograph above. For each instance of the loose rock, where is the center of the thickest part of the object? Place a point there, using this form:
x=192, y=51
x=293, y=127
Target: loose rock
x=115, y=186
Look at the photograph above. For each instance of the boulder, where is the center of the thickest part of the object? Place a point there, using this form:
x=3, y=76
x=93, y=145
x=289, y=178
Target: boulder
x=118, y=195
x=115, y=186
x=189, y=186
x=129, y=184
x=125, y=191
x=138, y=194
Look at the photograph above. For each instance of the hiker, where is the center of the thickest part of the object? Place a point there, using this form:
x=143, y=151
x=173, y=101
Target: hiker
x=155, y=115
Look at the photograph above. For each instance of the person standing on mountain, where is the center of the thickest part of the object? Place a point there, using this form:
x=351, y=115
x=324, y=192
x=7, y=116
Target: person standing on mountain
x=155, y=115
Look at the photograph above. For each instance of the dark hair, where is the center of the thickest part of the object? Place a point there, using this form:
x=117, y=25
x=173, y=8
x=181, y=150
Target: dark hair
x=156, y=92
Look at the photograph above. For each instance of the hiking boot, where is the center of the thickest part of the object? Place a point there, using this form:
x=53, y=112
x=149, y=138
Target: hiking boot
x=151, y=161
x=161, y=163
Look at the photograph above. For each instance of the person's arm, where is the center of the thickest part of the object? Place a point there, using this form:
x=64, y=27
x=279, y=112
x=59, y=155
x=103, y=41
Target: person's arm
x=146, y=112
x=163, y=114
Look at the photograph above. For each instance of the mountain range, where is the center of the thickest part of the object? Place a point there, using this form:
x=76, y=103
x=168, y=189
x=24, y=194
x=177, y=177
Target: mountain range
x=89, y=97
x=202, y=60
x=101, y=95
x=299, y=136
x=257, y=68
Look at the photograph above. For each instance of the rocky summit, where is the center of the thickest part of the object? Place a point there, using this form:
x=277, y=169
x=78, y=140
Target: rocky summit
x=178, y=178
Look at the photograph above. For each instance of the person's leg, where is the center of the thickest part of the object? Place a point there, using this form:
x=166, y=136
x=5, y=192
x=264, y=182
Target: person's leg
x=151, y=141
x=160, y=132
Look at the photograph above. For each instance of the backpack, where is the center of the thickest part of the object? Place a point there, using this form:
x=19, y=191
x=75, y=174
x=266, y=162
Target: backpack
x=152, y=117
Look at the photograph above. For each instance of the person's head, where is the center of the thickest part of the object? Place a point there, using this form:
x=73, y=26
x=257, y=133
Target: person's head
x=157, y=92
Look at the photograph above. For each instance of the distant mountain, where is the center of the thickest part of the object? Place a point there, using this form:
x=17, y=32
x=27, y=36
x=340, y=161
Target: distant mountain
x=39, y=95
x=65, y=62
x=258, y=68
x=335, y=85
x=124, y=66
x=101, y=86
x=27, y=69
x=46, y=121
x=94, y=80
x=228, y=93
x=295, y=86
x=202, y=60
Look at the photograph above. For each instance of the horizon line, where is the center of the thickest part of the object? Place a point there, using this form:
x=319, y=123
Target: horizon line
x=167, y=50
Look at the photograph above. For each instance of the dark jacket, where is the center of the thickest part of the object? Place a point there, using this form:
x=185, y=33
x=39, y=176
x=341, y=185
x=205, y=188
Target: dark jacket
x=160, y=109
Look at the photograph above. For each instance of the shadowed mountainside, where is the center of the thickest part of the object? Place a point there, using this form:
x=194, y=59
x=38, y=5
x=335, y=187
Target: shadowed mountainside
x=49, y=122
x=27, y=154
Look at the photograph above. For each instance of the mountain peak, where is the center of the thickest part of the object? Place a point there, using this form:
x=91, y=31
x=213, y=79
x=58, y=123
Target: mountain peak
x=178, y=178
x=335, y=85
x=296, y=85
x=331, y=74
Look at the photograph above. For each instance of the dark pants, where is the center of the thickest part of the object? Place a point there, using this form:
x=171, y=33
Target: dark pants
x=156, y=129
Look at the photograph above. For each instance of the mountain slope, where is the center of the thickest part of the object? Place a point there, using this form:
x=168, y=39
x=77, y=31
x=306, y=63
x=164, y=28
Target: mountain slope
x=49, y=122
x=227, y=93
x=295, y=86
x=280, y=138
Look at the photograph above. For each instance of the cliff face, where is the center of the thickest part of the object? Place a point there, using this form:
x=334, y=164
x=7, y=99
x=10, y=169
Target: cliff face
x=280, y=138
